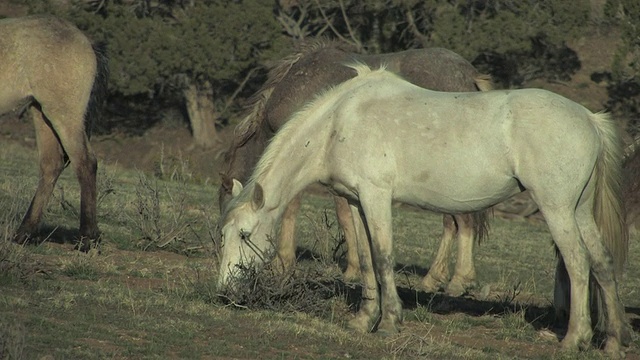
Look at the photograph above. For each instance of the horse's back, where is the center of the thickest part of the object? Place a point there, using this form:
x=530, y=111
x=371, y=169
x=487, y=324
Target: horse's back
x=311, y=74
x=432, y=68
x=417, y=140
x=44, y=57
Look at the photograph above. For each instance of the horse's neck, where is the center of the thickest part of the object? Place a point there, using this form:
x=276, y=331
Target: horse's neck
x=297, y=161
x=245, y=157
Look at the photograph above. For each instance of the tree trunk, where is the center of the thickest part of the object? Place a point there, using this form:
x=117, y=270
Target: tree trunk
x=202, y=115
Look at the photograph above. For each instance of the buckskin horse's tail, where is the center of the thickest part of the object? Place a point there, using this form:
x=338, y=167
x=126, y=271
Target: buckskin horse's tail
x=100, y=86
x=483, y=82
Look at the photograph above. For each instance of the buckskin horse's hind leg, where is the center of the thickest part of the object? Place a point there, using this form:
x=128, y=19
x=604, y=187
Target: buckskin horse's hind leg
x=345, y=219
x=464, y=276
x=69, y=127
x=286, y=250
x=86, y=167
x=438, y=274
x=51, y=159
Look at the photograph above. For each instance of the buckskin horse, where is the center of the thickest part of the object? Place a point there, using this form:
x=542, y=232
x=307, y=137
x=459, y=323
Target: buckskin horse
x=50, y=65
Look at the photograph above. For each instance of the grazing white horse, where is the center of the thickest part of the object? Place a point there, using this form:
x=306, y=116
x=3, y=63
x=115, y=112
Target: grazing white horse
x=377, y=138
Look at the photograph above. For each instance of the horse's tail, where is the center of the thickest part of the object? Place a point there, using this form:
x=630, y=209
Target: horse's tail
x=483, y=82
x=608, y=207
x=100, y=86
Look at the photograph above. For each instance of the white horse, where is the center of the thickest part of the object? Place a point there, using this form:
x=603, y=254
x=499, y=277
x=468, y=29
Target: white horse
x=377, y=138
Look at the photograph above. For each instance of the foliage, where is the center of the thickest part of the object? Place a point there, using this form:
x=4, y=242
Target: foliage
x=626, y=63
x=158, y=47
x=165, y=45
x=624, y=86
x=514, y=41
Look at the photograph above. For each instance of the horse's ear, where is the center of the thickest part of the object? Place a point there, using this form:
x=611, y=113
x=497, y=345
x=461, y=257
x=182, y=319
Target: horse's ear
x=258, y=197
x=236, y=188
x=226, y=182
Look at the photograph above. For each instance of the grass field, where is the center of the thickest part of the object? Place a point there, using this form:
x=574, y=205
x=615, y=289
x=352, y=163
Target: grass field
x=149, y=292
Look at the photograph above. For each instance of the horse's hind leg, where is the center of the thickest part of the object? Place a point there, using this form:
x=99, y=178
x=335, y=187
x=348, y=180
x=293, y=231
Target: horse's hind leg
x=561, y=294
x=566, y=235
x=345, y=220
x=618, y=333
x=464, y=276
x=51, y=158
x=438, y=274
x=286, y=252
x=69, y=129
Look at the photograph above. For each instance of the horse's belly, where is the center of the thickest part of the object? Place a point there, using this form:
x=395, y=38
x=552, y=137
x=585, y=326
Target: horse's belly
x=455, y=196
x=13, y=94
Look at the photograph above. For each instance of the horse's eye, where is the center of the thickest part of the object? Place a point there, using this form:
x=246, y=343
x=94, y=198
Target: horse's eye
x=245, y=235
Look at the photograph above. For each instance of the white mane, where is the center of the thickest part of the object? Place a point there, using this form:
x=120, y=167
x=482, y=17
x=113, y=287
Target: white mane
x=312, y=110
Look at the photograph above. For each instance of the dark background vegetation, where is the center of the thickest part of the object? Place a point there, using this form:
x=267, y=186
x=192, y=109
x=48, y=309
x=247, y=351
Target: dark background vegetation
x=222, y=49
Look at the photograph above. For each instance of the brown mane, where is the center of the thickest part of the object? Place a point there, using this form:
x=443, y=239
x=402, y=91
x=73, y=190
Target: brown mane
x=254, y=115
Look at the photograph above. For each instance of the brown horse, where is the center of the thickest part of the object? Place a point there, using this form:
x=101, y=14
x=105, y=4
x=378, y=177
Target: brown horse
x=50, y=65
x=299, y=78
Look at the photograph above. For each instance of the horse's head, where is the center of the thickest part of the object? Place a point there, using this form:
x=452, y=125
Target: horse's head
x=246, y=232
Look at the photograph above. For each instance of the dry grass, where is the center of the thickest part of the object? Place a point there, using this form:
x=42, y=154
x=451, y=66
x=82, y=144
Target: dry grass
x=128, y=303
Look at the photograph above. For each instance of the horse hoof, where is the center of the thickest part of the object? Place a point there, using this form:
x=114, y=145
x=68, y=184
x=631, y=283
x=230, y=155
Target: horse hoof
x=613, y=349
x=86, y=244
x=387, y=329
x=21, y=239
x=455, y=290
x=576, y=343
x=361, y=324
x=351, y=275
x=458, y=288
x=282, y=265
x=431, y=284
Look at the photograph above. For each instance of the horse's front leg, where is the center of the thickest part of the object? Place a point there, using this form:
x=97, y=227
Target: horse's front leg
x=376, y=206
x=369, y=312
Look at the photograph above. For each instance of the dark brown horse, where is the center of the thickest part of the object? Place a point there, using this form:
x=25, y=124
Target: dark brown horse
x=50, y=65
x=302, y=76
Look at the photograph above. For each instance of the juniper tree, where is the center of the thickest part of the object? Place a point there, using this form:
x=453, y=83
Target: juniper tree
x=200, y=50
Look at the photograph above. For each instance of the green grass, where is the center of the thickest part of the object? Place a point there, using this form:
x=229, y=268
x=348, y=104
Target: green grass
x=149, y=292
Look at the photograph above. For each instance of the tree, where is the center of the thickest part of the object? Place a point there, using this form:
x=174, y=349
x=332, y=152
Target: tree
x=203, y=50
x=525, y=38
x=624, y=84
